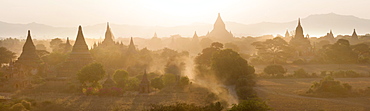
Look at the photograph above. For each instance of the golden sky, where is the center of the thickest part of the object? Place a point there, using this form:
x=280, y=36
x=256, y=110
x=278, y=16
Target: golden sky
x=70, y=13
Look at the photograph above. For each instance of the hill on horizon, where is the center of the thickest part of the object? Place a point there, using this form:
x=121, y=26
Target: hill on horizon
x=315, y=25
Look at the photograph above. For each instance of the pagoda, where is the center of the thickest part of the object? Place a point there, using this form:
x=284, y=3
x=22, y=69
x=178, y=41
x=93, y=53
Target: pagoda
x=78, y=58
x=29, y=58
x=299, y=42
x=144, y=84
x=219, y=32
x=108, y=40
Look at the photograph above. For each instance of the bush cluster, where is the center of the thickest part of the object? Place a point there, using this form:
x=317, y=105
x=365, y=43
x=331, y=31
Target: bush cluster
x=329, y=86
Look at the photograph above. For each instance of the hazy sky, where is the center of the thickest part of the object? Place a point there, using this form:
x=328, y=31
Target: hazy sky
x=71, y=13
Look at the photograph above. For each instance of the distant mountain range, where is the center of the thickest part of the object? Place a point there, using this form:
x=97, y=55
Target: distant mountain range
x=314, y=25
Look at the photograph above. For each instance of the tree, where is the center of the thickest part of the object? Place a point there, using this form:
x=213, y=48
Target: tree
x=169, y=79
x=274, y=50
x=203, y=60
x=54, y=58
x=55, y=43
x=6, y=56
x=340, y=52
x=120, y=77
x=274, y=69
x=91, y=73
x=300, y=73
x=157, y=83
x=184, y=81
x=232, y=46
x=363, y=52
x=40, y=47
x=229, y=66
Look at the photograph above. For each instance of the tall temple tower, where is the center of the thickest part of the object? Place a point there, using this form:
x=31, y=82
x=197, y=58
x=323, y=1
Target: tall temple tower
x=287, y=34
x=29, y=58
x=219, y=32
x=144, y=84
x=354, y=35
x=131, y=47
x=195, y=46
x=108, y=40
x=195, y=37
x=79, y=57
x=68, y=46
x=299, y=42
x=299, y=31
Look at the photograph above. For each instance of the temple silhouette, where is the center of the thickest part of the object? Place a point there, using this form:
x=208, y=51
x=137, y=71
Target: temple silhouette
x=219, y=32
x=78, y=58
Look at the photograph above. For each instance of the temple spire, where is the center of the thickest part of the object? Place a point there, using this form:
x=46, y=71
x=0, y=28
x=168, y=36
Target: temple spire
x=28, y=45
x=29, y=57
x=80, y=44
x=68, y=46
x=108, y=40
x=78, y=58
x=131, y=46
x=144, y=86
x=219, y=24
x=195, y=35
x=287, y=33
x=354, y=34
x=155, y=35
x=299, y=30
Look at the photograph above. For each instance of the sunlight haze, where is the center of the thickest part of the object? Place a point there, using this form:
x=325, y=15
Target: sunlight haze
x=70, y=13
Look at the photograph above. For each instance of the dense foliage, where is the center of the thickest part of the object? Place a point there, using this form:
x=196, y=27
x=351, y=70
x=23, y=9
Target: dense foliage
x=277, y=70
x=6, y=56
x=91, y=73
x=330, y=87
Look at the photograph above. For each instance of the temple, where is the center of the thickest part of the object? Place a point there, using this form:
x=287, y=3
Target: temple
x=29, y=58
x=300, y=43
x=19, y=73
x=78, y=58
x=108, y=40
x=131, y=47
x=144, y=84
x=287, y=34
x=354, y=35
x=68, y=46
x=195, y=37
x=219, y=32
x=299, y=31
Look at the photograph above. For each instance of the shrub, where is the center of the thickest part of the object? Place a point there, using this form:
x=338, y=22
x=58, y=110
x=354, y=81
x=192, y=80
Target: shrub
x=120, y=76
x=132, y=84
x=301, y=73
x=250, y=105
x=157, y=83
x=245, y=92
x=184, y=81
x=169, y=79
x=329, y=86
x=245, y=81
x=343, y=74
x=275, y=69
